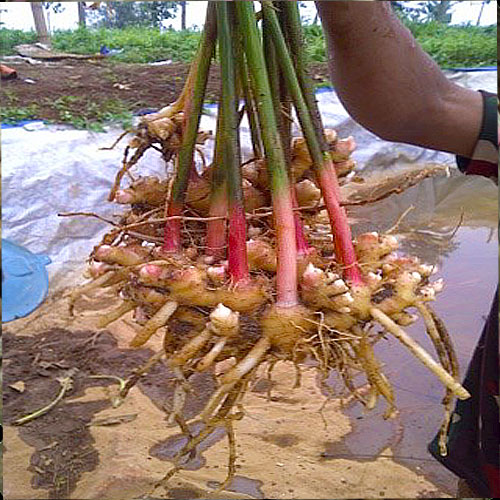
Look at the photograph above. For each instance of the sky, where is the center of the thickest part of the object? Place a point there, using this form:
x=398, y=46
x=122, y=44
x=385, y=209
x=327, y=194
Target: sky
x=18, y=15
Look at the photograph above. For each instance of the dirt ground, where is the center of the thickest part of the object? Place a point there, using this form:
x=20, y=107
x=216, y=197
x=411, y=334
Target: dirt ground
x=87, y=449
x=136, y=86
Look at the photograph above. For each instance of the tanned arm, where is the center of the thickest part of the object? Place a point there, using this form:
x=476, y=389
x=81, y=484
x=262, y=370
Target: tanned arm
x=390, y=85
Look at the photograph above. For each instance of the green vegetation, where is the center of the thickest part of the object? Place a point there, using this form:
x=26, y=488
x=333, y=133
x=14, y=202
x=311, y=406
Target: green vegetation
x=80, y=112
x=121, y=14
x=14, y=114
x=139, y=44
x=449, y=45
x=92, y=115
x=10, y=38
x=452, y=46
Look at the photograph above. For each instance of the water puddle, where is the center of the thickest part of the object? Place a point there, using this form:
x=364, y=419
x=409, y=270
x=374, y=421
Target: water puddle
x=454, y=227
x=242, y=485
x=168, y=449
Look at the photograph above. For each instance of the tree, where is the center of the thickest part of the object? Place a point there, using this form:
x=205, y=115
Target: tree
x=52, y=7
x=81, y=14
x=439, y=11
x=55, y=6
x=154, y=13
x=481, y=11
x=40, y=24
x=121, y=14
x=306, y=19
x=183, y=15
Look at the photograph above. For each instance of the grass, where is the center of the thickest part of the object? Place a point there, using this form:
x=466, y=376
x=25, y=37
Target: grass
x=91, y=115
x=450, y=46
x=139, y=44
x=10, y=38
x=76, y=111
x=13, y=114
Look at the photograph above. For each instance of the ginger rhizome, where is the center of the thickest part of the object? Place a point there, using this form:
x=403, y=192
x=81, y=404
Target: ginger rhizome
x=232, y=261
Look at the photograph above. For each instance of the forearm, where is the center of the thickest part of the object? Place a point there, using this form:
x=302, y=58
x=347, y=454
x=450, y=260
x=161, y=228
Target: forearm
x=390, y=86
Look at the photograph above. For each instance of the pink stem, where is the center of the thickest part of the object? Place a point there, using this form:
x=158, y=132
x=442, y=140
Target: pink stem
x=237, y=247
x=344, y=249
x=172, y=238
x=193, y=173
x=216, y=229
x=172, y=233
x=303, y=247
x=286, y=274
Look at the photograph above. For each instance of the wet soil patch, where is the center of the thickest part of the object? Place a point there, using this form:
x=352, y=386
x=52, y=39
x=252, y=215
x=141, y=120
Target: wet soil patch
x=242, y=485
x=168, y=449
x=62, y=439
x=371, y=434
x=184, y=493
x=281, y=440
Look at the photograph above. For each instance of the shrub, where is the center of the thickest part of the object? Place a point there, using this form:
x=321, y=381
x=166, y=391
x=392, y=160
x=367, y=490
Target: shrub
x=449, y=46
x=139, y=45
x=10, y=38
x=454, y=46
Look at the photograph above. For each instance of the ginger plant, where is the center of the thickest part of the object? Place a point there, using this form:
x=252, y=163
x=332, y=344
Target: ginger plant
x=231, y=278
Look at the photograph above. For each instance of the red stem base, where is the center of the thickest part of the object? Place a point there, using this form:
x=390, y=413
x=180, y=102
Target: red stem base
x=286, y=273
x=172, y=235
x=237, y=246
x=344, y=248
x=303, y=247
x=216, y=229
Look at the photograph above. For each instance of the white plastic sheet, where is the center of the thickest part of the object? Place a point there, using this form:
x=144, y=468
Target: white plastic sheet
x=56, y=169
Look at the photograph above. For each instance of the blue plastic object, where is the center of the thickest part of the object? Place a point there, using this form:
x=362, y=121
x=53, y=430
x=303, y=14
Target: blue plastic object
x=106, y=51
x=25, y=281
x=473, y=70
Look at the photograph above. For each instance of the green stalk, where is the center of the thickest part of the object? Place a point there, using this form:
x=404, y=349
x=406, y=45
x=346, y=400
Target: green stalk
x=262, y=91
x=321, y=159
x=293, y=83
x=273, y=73
x=216, y=229
x=237, y=253
x=303, y=248
x=286, y=104
x=285, y=122
x=286, y=276
x=279, y=93
x=192, y=114
x=251, y=111
x=290, y=19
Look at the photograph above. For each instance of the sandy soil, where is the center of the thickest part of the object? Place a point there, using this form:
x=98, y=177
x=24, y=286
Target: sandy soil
x=84, y=448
